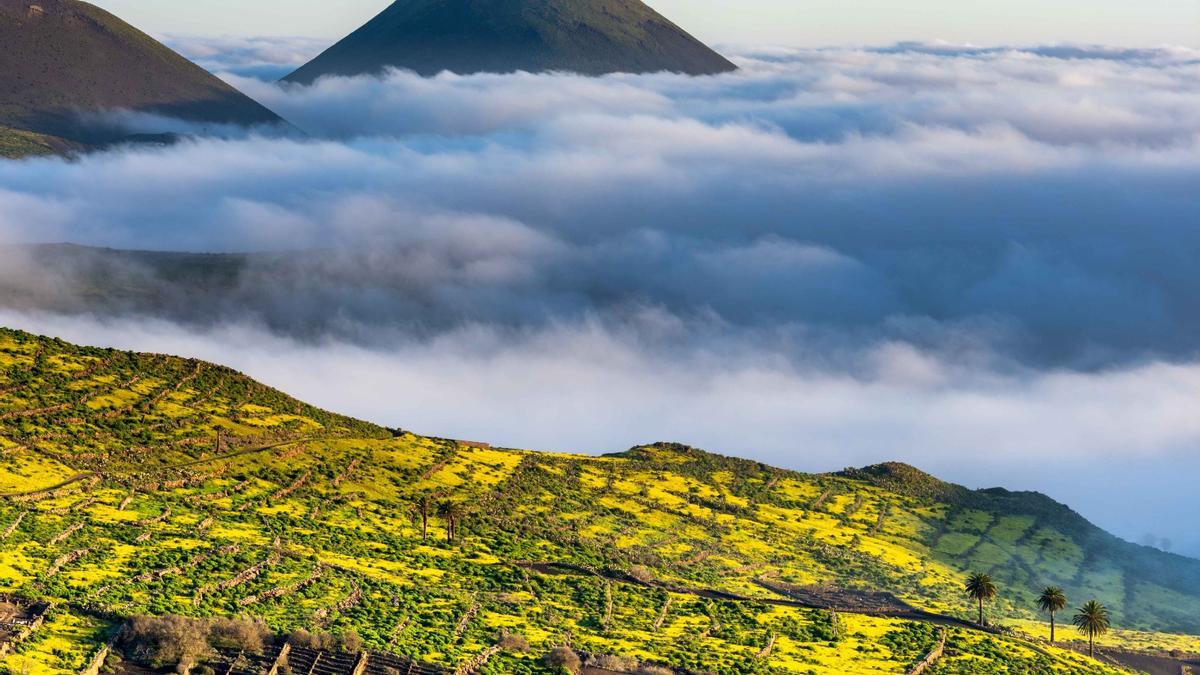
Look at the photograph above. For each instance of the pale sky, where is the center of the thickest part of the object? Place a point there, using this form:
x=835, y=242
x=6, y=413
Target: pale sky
x=755, y=22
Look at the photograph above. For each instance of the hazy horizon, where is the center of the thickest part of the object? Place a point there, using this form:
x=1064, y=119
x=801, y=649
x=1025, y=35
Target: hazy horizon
x=802, y=23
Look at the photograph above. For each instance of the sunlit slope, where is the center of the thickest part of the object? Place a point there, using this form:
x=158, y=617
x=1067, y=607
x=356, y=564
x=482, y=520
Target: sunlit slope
x=149, y=484
x=1027, y=540
x=16, y=143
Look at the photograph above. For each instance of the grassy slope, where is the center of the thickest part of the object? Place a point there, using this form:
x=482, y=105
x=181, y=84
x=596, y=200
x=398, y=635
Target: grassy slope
x=171, y=515
x=15, y=143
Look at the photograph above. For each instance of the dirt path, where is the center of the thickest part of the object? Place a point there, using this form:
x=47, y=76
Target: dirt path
x=196, y=462
x=865, y=603
x=239, y=453
x=839, y=600
x=1152, y=664
x=57, y=486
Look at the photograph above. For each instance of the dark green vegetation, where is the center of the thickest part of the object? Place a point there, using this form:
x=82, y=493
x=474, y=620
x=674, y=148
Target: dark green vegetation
x=146, y=485
x=60, y=57
x=16, y=143
x=592, y=37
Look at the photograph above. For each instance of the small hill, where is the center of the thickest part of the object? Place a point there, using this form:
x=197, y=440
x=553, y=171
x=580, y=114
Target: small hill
x=906, y=480
x=592, y=37
x=15, y=143
x=145, y=484
x=63, y=57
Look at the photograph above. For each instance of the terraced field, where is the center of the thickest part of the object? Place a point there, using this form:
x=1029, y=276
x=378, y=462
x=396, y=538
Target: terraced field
x=134, y=484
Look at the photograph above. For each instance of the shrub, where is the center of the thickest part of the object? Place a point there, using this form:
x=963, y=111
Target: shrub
x=300, y=638
x=249, y=635
x=514, y=643
x=168, y=640
x=641, y=573
x=609, y=662
x=304, y=638
x=564, y=659
x=350, y=642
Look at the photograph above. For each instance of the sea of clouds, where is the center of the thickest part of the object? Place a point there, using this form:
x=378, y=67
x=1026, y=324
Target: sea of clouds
x=980, y=261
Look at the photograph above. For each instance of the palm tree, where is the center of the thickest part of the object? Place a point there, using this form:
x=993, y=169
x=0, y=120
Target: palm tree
x=451, y=512
x=423, y=505
x=1092, y=619
x=1052, y=601
x=981, y=588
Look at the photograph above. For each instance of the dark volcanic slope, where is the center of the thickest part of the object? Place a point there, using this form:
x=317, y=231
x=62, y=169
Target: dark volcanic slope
x=592, y=37
x=61, y=56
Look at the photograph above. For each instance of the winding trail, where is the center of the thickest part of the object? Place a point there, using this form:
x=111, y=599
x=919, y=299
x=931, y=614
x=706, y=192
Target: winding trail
x=845, y=601
x=196, y=462
x=1153, y=664
x=51, y=488
x=869, y=604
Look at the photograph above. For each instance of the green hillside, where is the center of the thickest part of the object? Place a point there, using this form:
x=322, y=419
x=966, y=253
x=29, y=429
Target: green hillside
x=135, y=484
x=65, y=56
x=593, y=37
x=15, y=143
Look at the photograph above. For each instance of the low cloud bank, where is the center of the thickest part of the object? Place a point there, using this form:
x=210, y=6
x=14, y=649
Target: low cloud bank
x=969, y=259
x=263, y=58
x=1118, y=446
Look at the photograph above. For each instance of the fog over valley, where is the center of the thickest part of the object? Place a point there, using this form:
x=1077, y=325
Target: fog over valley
x=968, y=259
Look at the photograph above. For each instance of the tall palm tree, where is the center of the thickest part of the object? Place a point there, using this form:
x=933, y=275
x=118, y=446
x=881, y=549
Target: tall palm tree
x=981, y=588
x=1052, y=601
x=451, y=512
x=423, y=505
x=1092, y=619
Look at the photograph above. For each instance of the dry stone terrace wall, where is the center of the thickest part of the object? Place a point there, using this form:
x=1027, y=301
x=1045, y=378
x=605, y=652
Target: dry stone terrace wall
x=307, y=661
x=298, y=660
x=932, y=657
x=19, y=618
x=283, y=590
x=12, y=527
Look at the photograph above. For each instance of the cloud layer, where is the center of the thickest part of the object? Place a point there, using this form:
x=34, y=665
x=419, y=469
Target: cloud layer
x=262, y=58
x=965, y=258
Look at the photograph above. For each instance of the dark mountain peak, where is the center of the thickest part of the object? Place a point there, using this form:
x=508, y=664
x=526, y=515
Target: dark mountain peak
x=63, y=57
x=592, y=37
